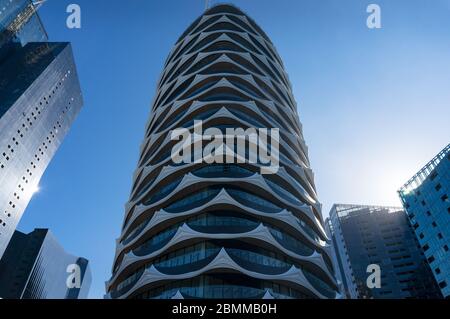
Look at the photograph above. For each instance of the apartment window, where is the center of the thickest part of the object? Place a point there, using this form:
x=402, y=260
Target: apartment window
x=434, y=224
x=444, y=198
x=437, y=271
x=431, y=259
x=446, y=248
x=428, y=213
x=433, y=175
x=438, y=187
x=421, y=235
x=440, y=236
x=426, y=247
x=442, y=284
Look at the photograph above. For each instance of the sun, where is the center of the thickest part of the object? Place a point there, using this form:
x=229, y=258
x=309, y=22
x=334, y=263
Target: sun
x=33, y=190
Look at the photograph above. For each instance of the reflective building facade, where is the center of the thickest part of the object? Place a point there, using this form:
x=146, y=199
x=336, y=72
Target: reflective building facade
x=40, y=97
x=367, y=235
x=19, y=24
x=35, y=266
x=223, y=230
x=426, y=200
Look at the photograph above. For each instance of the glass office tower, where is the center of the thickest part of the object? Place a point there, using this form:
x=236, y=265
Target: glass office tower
x=368, y=235
x=223, y=230
x=40, y=97
x=35, y=266
x=19, y=24
x=426, y=200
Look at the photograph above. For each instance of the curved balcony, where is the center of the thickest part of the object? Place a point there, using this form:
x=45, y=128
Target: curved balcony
x=250, y=257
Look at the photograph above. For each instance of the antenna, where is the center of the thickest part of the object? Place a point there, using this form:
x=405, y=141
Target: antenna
x=38, y=3
x=206, y=5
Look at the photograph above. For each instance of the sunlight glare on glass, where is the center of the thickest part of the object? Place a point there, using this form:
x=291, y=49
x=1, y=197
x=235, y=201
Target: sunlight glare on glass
x=33, y=190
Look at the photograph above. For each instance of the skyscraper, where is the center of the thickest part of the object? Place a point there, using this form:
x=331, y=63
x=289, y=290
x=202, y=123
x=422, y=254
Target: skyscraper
x=40, y=97
x=426, y=200
x=35, y=266
x=382, y=236
x=19, y=24
x=222, y=230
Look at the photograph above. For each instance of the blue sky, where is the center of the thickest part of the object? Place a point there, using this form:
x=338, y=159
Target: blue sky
x=375, y=104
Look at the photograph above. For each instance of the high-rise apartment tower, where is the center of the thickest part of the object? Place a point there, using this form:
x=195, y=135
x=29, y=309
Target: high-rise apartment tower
x=426, y=198
x=224, y=229
x=376, y=237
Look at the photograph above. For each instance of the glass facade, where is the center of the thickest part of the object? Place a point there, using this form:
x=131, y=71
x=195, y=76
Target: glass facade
x=223, y=230
x=426, y=200
x=43, y=269
x=367, y=235
x=223, y=286
x=40, y=98
x=19, y=25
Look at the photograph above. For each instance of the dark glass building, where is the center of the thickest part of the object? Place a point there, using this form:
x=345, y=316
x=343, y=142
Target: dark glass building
x=40, y=97
x=426, y=200
x=367, y=235
x=35, y=266
x=223, y=230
